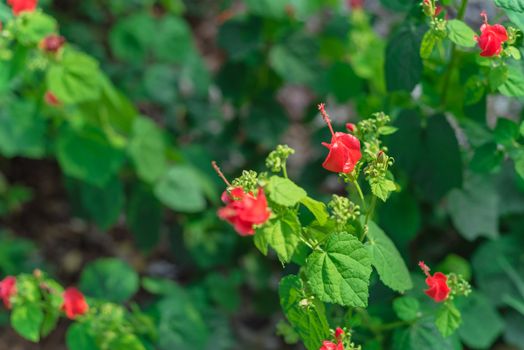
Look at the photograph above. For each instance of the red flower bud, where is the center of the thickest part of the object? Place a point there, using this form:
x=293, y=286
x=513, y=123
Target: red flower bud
x=52, y=43
x=244, y=210
x=438, y=288
x=20, y=6
x=491, y=37
x=74, y=303
x=344, y=149
x=51, y=99
x=356, y=4
x=351, y=127
x=7, y=290
x=339, y=333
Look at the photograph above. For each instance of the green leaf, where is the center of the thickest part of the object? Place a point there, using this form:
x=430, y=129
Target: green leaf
x=161, y=83
x=147, y=150
x=284, y=191
x=283, y=235
x=387, y=260
x=110, y=279
x=240, y=37
x=519, y=165
x=129, y=39
x=382, y=188
x=514, y=85
x=343, y=82
x=487, y=158
x=387, y=130
x=423, y=335
x=498, y=76
x=34, y=26
x=87, y=155
x=477, y=200
x=339, y=273
x=180, y=326
x=173, y=42
x=448, y=319
x=407, y=308
x=460, y=33
x=22, y=130
x=403, y=62
x=306, y=315
x=179, y=190
x=75, y=78
x=78, y=337
x=521, y=129
x=506, y=131
x=26, y=320
x=126, y=342
x=144, y=217
x=481, y=324
x=513, y=5
x=429, y=40
x=318, y=209
x=455, y=264
x=102, y=205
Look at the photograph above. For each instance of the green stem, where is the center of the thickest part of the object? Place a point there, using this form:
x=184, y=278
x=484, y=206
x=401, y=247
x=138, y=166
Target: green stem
x=453, y=59
x=284, y=170
x=359, y=191
x=371, y=209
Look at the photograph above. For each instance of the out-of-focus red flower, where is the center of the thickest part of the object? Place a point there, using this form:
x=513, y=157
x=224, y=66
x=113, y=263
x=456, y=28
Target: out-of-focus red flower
x=244, y=210
x=438, y=287
x=491, y=37
x=328, y=345
x=52, y=43
x=51, y=99
x=20, y=6
x=356, y=4
x=351, y=127
x=75, y=303
x=339, y=333
x=7, y=290
x=344, y=149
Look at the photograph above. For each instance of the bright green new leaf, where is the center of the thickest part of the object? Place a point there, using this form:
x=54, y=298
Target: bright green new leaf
x=387, y=260
x=448, y=319
x=126, y=342
x=34, y=26
x=514, y=85
x=282, y=234
x=428, y=43
x=498, y=76
x=75, y=78
x=382, y=188
x=284, y=191
x=318, y=209
x=306, y=315
x=339, y=273
x=179, y=190
x=26, y=320
x=460, y=33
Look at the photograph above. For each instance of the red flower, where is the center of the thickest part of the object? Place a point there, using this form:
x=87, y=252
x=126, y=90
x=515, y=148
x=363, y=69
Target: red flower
x=51, y=99
x=491, y=37
x=74, y=303
x=344, y=149
x=52, y=43
x=438, y=287
x=351, y=127
x=7, y=290
x=327, y=345
x=20, y=6
x=356, y=4
x=243, y=210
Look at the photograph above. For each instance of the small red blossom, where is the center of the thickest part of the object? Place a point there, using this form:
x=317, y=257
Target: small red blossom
x=52, y=43
x=328, y=345
x=7, y=290
x=75, y=303
x=244, y=210
x=491, y=37
x=356, y=4
x=344, y=149
x=351, y=127
x=51, y=99
x=20, y=6
x=438, y=287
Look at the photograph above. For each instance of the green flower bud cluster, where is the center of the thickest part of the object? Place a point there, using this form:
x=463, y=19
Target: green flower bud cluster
x=343, y=210
x=248, y=181
x=379, y=167
x=373, y=125
x=458, y=285
x=276, y=160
